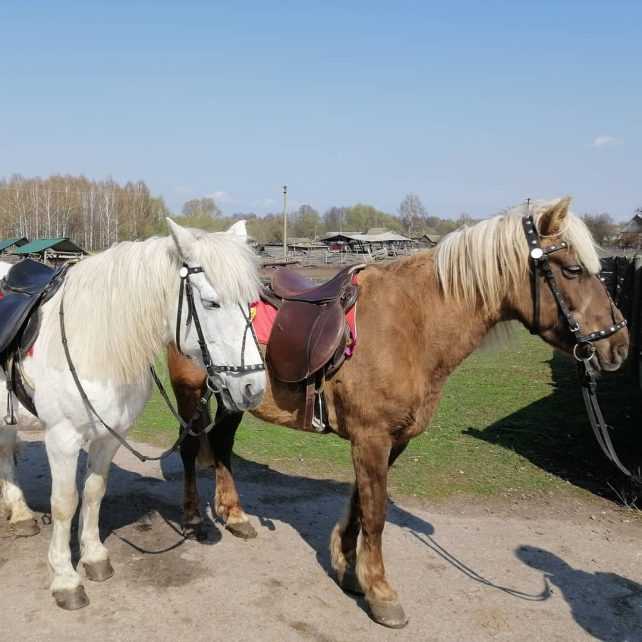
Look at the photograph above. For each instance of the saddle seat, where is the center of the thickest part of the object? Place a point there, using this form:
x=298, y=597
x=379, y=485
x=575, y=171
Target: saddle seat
x=292, y=286
x=310, y=333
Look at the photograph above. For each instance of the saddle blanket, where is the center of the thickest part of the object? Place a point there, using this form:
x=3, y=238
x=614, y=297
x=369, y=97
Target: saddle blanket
x=264, y=315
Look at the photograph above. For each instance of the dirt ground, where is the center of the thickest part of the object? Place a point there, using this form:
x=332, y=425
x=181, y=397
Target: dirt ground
x=554, y=570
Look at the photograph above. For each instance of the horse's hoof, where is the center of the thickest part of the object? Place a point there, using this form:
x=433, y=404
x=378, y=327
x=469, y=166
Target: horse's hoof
x=71, y=600
x=390, y=614
x=350, y=584
x=194, y=531
x=244, y=530
x=99, y=571
x=25, y=528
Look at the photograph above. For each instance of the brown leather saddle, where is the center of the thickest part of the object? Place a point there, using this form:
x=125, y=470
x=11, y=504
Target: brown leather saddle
x=310, y=333
x=23, y=290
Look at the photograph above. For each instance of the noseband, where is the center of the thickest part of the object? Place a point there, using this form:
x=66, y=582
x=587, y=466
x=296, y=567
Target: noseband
x=583, y=349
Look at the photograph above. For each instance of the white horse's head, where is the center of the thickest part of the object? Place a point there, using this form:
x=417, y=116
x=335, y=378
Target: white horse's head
x=223, y=289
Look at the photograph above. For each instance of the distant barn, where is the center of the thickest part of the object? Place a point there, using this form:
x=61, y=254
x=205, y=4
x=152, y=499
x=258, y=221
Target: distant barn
x=52, y=251
x=631, y=234
x=8, y=245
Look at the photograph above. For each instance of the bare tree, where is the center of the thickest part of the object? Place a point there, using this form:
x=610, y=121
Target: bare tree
x=411, y=213
x=601, y=226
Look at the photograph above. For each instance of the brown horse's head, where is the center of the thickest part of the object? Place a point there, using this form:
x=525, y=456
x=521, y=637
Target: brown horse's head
x=574, y=268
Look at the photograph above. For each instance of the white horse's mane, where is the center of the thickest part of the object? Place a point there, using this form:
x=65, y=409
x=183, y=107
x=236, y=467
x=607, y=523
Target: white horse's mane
x=478, y=264
x=116, y=302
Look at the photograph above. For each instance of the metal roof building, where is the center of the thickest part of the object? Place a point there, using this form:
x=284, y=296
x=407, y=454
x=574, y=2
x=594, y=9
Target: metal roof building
x=50, y=249
x=18, y=242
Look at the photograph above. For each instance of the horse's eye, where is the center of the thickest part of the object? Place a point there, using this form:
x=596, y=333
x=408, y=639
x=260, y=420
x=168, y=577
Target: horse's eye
x=210, y=305
x=572, y=271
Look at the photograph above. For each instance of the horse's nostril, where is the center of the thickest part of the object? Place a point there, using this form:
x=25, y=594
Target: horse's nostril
x=622, y=352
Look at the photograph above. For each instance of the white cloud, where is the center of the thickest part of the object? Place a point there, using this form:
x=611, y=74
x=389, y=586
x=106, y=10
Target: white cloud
x=221, y=197
x=604, y=141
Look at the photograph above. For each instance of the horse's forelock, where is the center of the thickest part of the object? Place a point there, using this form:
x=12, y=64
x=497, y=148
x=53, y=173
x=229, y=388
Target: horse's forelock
x=231, y=266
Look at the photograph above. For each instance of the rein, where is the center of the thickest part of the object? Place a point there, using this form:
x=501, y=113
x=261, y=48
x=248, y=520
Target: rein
x=212, y=370
x=583, y=350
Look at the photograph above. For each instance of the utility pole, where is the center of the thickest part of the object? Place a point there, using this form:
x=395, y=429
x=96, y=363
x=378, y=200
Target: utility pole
x=285, y=223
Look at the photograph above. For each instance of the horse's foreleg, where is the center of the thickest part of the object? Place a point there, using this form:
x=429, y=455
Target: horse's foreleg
x=188, y=383
x=227, y=502
x=371, y=459
x=345, y=535
x=21, y=519
x=93, y=554
x=62, y=452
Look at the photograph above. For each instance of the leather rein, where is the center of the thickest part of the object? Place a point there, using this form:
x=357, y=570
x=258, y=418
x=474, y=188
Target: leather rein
x=186, y=291
x=583, y=350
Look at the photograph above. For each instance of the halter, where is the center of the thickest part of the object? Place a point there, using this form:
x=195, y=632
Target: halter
x=211, y=388
x=583, y=350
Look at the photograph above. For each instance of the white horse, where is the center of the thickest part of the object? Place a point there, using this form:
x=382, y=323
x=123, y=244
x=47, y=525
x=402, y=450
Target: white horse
x=120, y=312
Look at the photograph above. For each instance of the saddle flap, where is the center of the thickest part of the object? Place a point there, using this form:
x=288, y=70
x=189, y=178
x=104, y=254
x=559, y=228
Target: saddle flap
x=304, y=338
x=14, y=311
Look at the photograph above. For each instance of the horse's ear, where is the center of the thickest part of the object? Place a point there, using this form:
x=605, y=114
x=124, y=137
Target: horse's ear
x=553, y=221
x=185, y=241
x=238, y=229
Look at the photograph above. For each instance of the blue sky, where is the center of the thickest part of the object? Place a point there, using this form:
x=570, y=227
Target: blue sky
x=473, y=106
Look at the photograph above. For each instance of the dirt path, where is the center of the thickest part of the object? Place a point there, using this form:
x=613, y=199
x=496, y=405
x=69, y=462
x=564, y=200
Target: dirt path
x=575, y=573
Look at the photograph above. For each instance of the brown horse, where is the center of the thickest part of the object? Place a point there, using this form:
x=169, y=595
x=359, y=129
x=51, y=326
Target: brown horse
x=417, y=319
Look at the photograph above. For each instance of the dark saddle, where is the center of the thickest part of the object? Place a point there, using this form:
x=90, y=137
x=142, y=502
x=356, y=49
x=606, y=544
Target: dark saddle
x=23, y=290
x=310, y=333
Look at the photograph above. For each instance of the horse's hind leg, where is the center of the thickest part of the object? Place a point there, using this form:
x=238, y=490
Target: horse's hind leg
x=94, y=556
x=227, y=501
x=371, y=457
x=63, y=446
x=345, y=535
x=21, y=519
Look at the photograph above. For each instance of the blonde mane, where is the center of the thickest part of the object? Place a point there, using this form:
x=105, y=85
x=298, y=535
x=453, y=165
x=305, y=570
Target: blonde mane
x=116, y=303
x=479, y=264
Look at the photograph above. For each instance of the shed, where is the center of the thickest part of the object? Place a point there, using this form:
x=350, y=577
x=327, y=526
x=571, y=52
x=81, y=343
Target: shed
x=6, y=245
x=51, y=250
x=631, y=234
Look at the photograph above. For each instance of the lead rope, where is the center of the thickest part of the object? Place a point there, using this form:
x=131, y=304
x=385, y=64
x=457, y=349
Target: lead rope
x=186, y=428
x=583, y=350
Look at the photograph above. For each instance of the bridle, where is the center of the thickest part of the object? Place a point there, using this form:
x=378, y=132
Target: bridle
x=185, y=291
x=583, y=348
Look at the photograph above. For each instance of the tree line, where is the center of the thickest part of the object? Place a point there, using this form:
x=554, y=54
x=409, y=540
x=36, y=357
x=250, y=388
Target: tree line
x=96, y=214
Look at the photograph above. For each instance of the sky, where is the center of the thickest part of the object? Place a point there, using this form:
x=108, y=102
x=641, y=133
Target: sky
x=472, y=106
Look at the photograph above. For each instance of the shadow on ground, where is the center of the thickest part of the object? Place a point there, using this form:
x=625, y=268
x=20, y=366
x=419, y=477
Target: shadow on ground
x=554, y=433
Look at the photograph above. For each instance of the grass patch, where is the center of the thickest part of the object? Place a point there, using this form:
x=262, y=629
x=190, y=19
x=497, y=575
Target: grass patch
x=510, y=422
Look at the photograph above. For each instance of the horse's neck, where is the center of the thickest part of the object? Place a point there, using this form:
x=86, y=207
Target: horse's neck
x=450, y=330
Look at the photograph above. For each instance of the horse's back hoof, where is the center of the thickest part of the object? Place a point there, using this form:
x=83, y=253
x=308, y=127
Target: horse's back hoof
x=194, y=531
x=25, y=528
x=390, y=614
x=244, y=530
x=71, y=600
x=99, y=571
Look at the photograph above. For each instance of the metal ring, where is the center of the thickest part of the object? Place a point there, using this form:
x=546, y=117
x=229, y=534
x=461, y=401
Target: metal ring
x=585, y=345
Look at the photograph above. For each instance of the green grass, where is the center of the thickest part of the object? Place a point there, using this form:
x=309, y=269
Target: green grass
x=510, y=423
